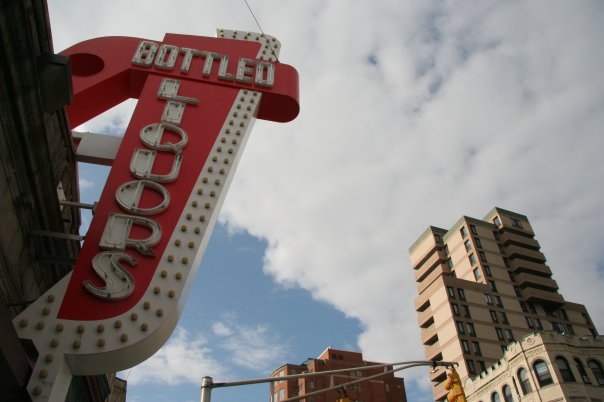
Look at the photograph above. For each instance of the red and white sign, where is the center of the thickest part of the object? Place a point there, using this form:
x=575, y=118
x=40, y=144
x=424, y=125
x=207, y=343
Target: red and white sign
x=197, y=100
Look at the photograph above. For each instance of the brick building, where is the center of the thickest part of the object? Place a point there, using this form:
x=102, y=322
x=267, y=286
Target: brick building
x=386, y=388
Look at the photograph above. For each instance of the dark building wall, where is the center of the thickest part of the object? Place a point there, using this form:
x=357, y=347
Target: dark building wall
x=36, y=160
x=38, y=235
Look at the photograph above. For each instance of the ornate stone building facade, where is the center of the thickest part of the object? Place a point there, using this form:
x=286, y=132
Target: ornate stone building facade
x=543, y=367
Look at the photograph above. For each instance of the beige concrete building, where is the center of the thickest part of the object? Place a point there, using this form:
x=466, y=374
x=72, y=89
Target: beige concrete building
x=482, y=285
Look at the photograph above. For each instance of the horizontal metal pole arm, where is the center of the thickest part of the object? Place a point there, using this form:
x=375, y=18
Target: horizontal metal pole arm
x=363, y=379
x=323, y=373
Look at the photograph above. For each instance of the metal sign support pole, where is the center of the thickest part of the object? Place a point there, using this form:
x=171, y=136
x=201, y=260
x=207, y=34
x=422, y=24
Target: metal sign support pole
x=206, y=389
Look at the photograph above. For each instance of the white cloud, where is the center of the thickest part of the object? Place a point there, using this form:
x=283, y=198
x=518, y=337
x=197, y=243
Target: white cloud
x=464, y=109
x=221, y=329
x=185, y=358
x=253, y=347
x=86, y=184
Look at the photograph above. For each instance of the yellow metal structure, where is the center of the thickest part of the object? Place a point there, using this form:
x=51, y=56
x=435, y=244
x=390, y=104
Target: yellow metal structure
x=453, y=384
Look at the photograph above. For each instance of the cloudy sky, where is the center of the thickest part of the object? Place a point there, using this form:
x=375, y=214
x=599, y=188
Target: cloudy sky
x=412, y=114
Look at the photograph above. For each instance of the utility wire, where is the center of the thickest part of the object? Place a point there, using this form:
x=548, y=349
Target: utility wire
x=261, y=31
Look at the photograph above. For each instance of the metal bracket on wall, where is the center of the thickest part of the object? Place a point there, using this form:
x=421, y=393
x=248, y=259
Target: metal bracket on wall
x=79, y=205
x=57, y=235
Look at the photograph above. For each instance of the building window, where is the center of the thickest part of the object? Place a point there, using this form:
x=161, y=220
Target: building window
x=564, y=369
x=438, y=239
x=472, y=258
x=525, y=383
x=499, y=334
x=497, y=221
x=596, y=369
x=471, y=368
x=463, y=232
x=465, y=346
x=582, y=371
x=460, y=327
x=495, y=397
x=504, y=317
x=468, y=245
x=462, y=294
x=478, y=242
x=544, y=377
x=481, y=365
x=493, y=316
x=501, y=248
x=451, y=292
x=558, y=327
x=498, y=301
x=496, y=235
x=473, y=229
x=537, y=323
x=488, y=299
x=523, y=307
x=509, y=334
x=466, y=311
x=483, y=256
x=449, y=262
x=487, y=269
x=492, y=286
x=476, y=349
x=471, y=329
x=477, y=274
x=455, y=308
x=446, y=249
x=507, y=393
x=516, y=222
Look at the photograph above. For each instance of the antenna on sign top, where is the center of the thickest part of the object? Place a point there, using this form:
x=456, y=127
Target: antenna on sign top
x=261, y=31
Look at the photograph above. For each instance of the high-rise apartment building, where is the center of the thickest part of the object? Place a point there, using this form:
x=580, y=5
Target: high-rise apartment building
x=484, y=284
x=385, y=388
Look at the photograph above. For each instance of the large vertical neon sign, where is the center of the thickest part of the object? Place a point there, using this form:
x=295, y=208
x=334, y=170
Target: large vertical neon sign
x=197, y=100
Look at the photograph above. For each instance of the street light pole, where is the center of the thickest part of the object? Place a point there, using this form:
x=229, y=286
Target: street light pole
x=207, y=384
x=206, y=389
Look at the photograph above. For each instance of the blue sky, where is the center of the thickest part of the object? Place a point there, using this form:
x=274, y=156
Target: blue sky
x=237, y=324
x=412, y=114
